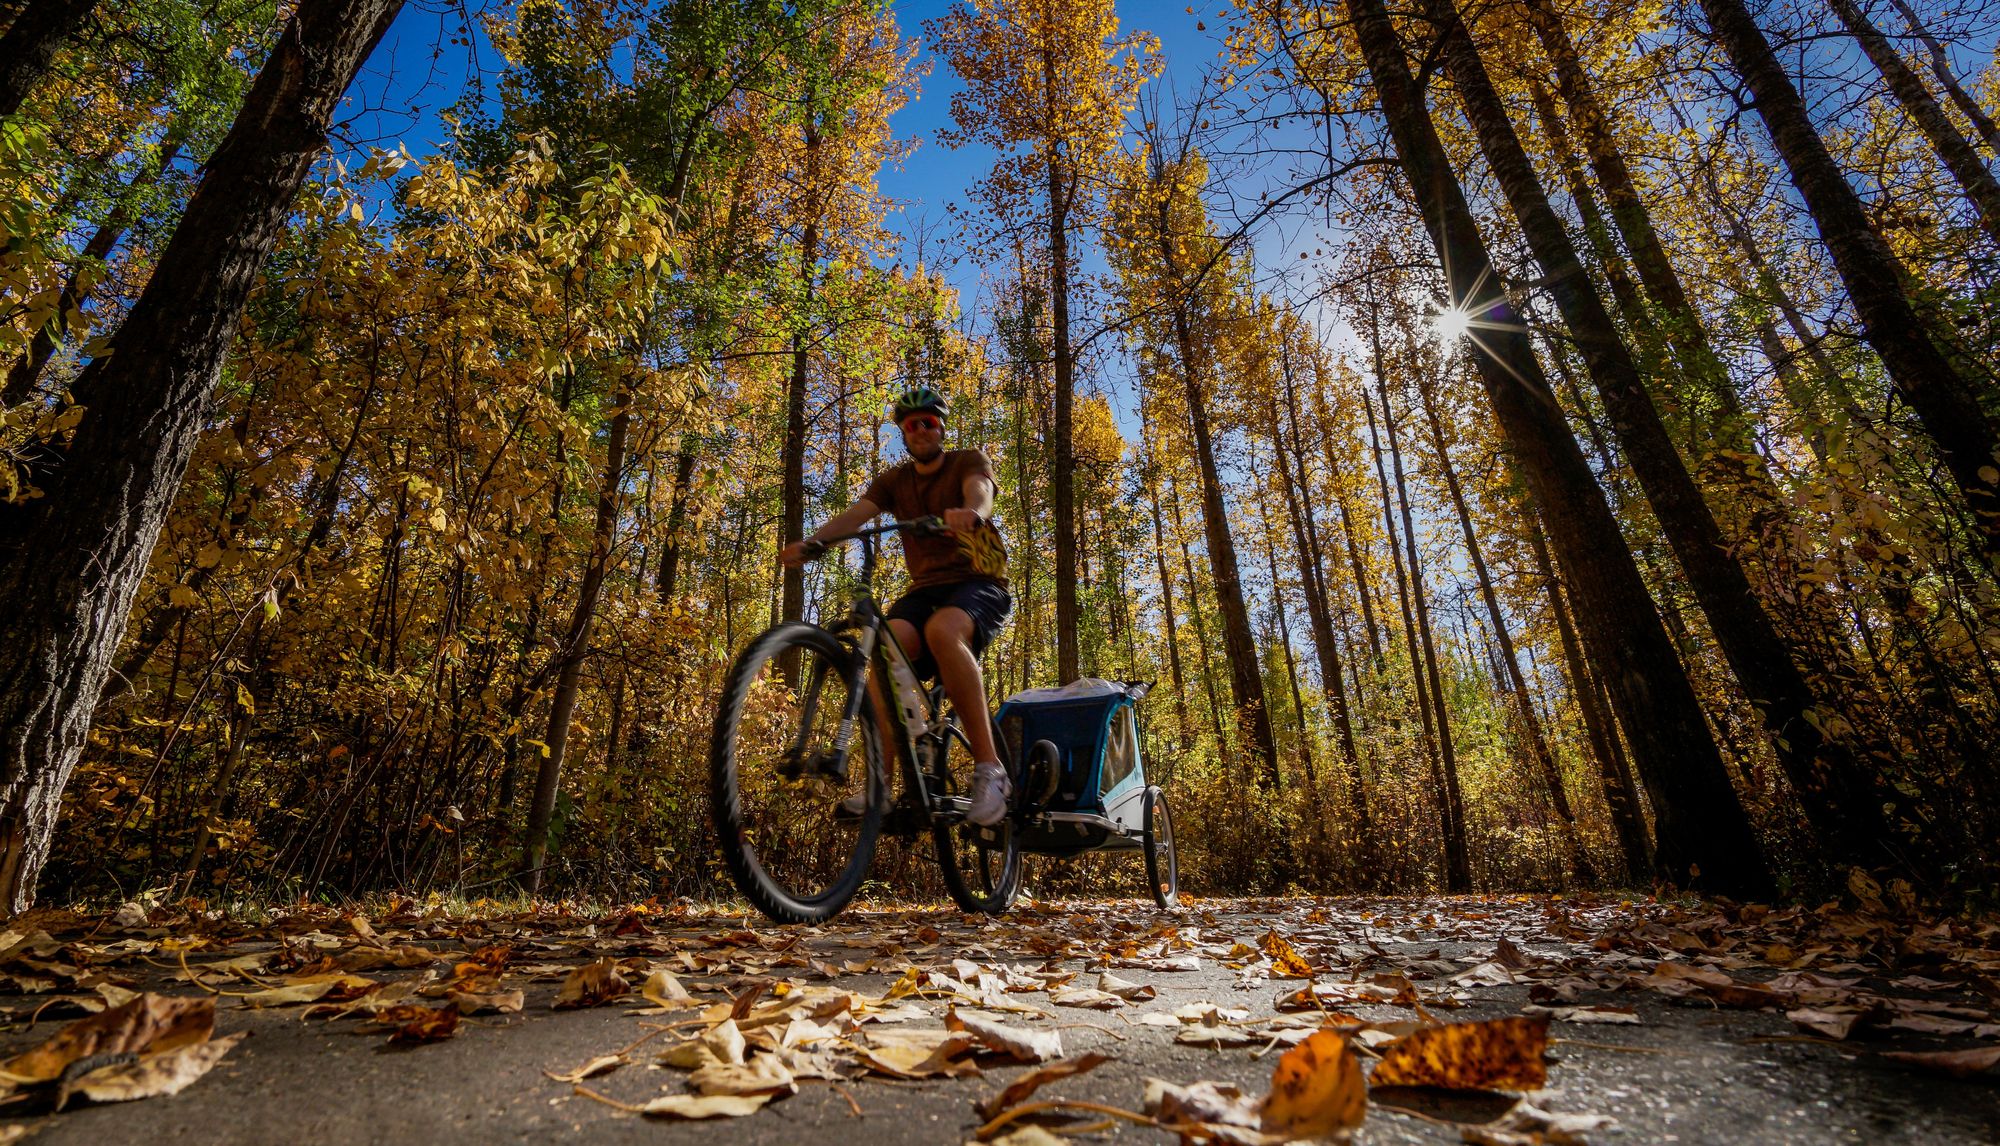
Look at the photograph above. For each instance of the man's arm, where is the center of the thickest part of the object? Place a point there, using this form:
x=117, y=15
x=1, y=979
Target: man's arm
x=978, y=494
x=846, y=521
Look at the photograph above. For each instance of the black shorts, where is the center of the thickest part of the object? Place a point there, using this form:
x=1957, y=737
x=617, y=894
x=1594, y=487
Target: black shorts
x=985, y=601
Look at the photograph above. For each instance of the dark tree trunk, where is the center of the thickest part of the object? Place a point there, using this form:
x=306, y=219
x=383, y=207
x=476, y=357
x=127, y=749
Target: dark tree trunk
x=677, y=514
x=30, y=45
x=27, y=369
x=1246, y=680
x=1355, y=563
x=1524, y=704
x=575, y=648
x=1457, y=869
x=1839, y=796
x=1172, y=624
x=1703, y=832
x=1944, y=394
x=1953, y=148
x=1063, y=479
x=72, y=561
x=1201, y=640
x=1613, y=771
x=1298, y=506
x=1941, y=68
x=793, y=605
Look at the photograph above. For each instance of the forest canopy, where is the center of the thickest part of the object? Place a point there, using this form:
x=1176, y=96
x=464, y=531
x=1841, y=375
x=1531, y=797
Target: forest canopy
x=1545, y=444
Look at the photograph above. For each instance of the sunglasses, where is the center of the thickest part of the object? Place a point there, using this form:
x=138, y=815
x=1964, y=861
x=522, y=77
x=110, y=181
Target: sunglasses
x=922, y=422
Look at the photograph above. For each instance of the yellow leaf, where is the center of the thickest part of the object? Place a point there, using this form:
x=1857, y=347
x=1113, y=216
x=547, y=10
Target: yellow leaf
x=1496, y=1053
x=1316, y=1090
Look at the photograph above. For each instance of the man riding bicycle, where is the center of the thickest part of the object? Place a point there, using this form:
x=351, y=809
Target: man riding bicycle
x=958, y=582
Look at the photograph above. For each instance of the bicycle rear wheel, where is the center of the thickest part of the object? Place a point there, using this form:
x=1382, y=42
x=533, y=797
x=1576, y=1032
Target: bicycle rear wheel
x=981, y=866
x=775, y=784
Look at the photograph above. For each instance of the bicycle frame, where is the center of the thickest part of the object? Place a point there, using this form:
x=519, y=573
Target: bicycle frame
x=915, y=713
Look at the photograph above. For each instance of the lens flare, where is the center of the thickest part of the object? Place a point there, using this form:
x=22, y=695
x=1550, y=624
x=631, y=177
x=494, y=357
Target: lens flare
x=1451, y=324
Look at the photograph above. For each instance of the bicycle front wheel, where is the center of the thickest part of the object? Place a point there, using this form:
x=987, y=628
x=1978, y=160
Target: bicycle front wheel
x=778, y=784
x=981, y=866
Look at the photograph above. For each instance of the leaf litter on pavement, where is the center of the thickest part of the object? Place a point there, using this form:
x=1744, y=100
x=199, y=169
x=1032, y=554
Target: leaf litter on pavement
x=1355, y=999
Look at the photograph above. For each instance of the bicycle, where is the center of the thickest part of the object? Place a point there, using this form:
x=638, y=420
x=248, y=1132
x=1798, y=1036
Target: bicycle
x=794, y=703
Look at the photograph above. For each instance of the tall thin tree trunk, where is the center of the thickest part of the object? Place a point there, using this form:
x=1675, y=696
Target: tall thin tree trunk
x=1957, y=152
x=1941, y=68
x=31, y=42
x=1200, y=626
x=1298, y=506
x=1458, y=870
x=1167, y=615
x=1613, y=773
x=27, y=369
x=1063, y=479
x=72, y=561
x=1703, y=831
x=1524, y=704
x=1941, y=390
x=575, y=648
x=1838, y=794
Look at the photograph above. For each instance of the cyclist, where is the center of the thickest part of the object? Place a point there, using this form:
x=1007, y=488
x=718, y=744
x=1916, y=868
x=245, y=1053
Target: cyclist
x=958, y=582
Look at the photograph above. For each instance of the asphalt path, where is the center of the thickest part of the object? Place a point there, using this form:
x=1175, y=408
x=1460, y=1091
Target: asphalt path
x=1686, y=1072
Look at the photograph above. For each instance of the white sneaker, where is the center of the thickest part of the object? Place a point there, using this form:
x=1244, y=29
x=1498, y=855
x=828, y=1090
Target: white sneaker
x=990, y=789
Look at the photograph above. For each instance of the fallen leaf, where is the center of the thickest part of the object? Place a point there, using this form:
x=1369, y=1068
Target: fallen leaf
x=1494, y=1053
x=919, y=1054
x=1957, y=1064
x=1016, y=1042
x=1316, y=1090
x=168, y=1072
x=148, y=1024
x=602, y=1064
x=763, y=1074
x=1586, y=1014
x=416, y=1024
x=663, y=990
x=1286, y=962
x=591, y=985
x=1834, y=1024
x=1209, y=1109
x=1087, y=997
x=725, y=1042
x=700, y=1106
x=1125, y=989
x=1019, y=1090
x=505, y=1002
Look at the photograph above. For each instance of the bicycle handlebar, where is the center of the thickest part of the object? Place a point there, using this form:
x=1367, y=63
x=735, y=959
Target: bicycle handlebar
x=931, y=526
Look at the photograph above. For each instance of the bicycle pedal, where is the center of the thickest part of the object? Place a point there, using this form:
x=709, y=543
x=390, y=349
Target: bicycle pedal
x=905, y=821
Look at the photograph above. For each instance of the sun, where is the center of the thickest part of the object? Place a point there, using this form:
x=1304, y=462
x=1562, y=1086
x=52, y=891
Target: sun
x=1451, y=324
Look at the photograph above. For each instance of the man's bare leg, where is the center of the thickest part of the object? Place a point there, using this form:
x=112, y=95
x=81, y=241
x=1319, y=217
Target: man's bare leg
x=949, y=634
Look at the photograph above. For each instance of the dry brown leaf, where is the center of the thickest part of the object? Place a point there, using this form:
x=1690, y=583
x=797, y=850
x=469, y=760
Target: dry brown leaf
x=763, y=1074
x=725, y=1042
x=1316, y=1090
x=591, y=985
x=1586, y=1014
x=338, y=986
x=1957, y=1063
x=1494, y=1053
x=1088, y=998
x=1125, y=989
x=1019, y=1090
x=663, y=990
x=148, y=1024
x=602, y=1064
x=503, y=1002
x=920, y=1054
x=1206, y=1110
x=700, y=1106
x=1016, y=1042
x=1835, y=1023
x=149, y=1076
x=416, y=1024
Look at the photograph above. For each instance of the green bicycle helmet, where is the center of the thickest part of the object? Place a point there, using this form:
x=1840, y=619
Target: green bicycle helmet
x=917, y=400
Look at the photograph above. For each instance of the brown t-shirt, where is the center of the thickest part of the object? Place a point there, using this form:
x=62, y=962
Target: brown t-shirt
x=905, y=494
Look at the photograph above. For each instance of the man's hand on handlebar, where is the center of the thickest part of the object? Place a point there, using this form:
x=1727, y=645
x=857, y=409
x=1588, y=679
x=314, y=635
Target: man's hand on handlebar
x=961, y=520
x=799, y=552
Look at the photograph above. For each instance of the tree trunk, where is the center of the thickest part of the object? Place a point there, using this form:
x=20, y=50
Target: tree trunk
x=1944, y=395
x=1167, y=614
x=72, y=560
x=1063, y=479
x=1246, y=680
x=1957, y=152
x=1613, y=772
x=575, y=648
x=1838, y=794
x=1941, y=68
x=677, y=513
x=1298, y=506
x=27, y=369
x=1524, y=705
x=1201, y=640
x=1356, y=564
x=1458, y=871
x=1704, y=835
x=30, y=45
